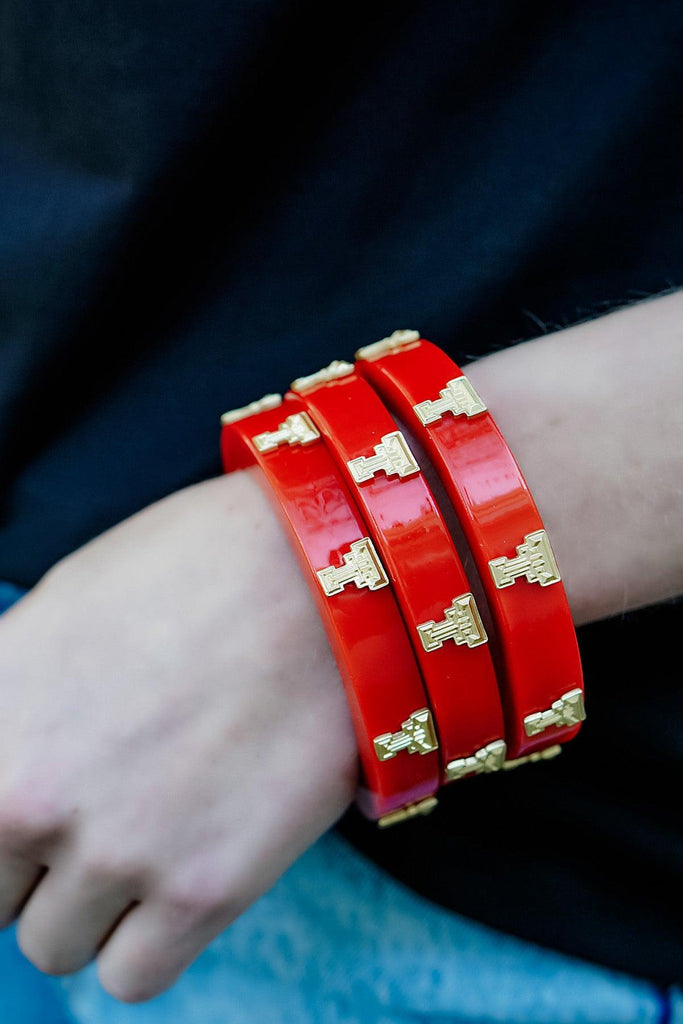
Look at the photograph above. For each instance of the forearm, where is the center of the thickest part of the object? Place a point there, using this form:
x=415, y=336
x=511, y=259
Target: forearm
x=594, y=417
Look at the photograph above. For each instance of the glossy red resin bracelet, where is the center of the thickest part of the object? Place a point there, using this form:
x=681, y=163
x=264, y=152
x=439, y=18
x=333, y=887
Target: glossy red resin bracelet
x=397, y=744
x=540, y=669
x=415, y=545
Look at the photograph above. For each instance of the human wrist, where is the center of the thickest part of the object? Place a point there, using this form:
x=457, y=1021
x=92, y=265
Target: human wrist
x=596, y=427
x=222, y=562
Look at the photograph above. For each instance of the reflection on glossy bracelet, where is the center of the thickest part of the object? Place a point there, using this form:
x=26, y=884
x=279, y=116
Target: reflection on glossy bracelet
x=394, y=726
x=539, y=665
x=413, y=542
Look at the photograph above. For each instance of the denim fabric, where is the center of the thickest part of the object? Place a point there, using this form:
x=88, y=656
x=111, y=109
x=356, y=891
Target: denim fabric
x=9, y=593
x=339, y=940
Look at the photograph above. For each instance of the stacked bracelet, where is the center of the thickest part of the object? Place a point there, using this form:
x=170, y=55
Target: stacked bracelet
x=354, y=598
x=540, y=669
x=413, y=542
x=427, y=704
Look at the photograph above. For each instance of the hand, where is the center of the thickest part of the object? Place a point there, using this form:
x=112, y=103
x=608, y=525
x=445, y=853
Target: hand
x=175, y=735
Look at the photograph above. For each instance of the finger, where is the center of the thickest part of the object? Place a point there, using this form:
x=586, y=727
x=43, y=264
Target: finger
x=69, y=915
x=150, y=949
x=17, y=878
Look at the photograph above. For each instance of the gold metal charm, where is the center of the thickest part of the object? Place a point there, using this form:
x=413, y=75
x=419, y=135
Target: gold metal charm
x=567, y=710
x=535, y=560
x=458, y=398
x=298, y=428
x=416, y=735
x=388, y=345
x=361, y=566
x=409, y=811
x=260, y=405
x=489, y=759
x=337, y=368
x=547, y=754
x=392, y=456
x=462, y=623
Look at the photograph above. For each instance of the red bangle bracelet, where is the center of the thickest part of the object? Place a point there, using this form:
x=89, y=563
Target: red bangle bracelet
x=540, y=673
x=413, y=541
x=356, y=603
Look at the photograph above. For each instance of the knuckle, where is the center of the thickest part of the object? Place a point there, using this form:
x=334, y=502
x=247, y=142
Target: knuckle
x=128, y=986
x=47, y=958
x=106, y=867
x=28, y=814
x=197, y=900
x=126, y=990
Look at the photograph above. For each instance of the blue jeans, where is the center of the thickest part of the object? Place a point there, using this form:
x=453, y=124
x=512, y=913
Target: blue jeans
x=337, y=940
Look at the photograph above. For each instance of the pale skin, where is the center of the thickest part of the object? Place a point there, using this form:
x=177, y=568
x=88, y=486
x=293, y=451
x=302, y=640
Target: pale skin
x=175, y=731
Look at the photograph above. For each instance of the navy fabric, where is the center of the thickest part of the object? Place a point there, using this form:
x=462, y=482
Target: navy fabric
x=196, y=206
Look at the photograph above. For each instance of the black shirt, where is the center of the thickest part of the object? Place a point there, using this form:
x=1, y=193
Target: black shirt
x=199, y=203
